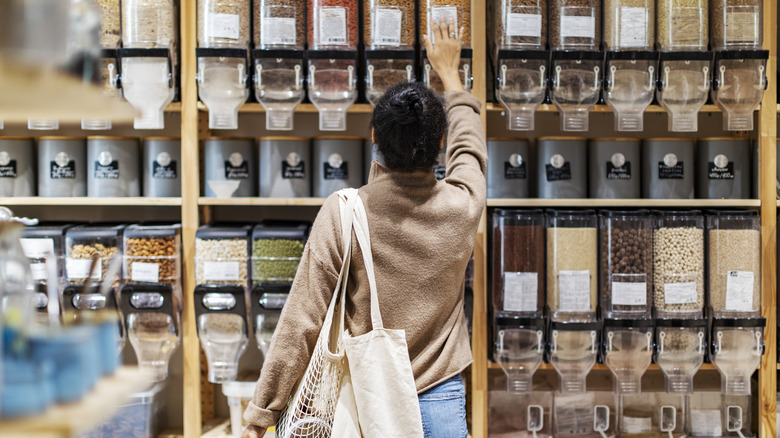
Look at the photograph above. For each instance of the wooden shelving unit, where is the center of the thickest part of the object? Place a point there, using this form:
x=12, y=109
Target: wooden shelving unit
x=92, y=202
x=266, y=202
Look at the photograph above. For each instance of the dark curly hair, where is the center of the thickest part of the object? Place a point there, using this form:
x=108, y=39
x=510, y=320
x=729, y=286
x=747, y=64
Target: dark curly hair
x=409, y=123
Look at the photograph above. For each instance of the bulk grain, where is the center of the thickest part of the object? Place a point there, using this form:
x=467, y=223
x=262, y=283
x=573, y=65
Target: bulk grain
x=737, y=24
x=148, y=23
x=629, y=24
x=109, y=23
x=459, y=10
x=571, y=252
x=223, y=23
x=522, y=23
x=575, y=24
x=335, y=21
x=275, y=260
x=734, y=252
x=279, y=23
x=394, y=26
x=230, y=253
x=683, y=24
x=678, y=263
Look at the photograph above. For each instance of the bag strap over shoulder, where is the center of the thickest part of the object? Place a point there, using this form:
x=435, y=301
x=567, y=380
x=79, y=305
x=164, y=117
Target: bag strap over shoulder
x=360, y=222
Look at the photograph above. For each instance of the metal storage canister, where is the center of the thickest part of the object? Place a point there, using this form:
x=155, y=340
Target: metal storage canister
x=614, y=165
x=285, y=167
x=112, y=167
x=507, y=172
x=162, y=167
x=667, y=168
x=561, y=164
x=370, y=154
x=17, y=166
x=723, y=168
x=62, y=166
x=230, y=167
x=332, y=169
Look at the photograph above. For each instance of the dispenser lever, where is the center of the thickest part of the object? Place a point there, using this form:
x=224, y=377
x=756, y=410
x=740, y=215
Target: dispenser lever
x=539, y=345
x=298, y=80
x=370, y=76
x=611, y=81
x=557, y=83
x=312, y=69
x=701, y=342
x=601, y=419
x=259, y=76
x=466, y=76
x=764, y=80
x=593, y=341
x=651, y=75
x=596, y=78
x=350, y=77
x=661, y=337
x=535, y=419
x=502, y=82
x=668, y=420
x=734, y=420
x=409, y=72
x=542, y=77
x=428, y=75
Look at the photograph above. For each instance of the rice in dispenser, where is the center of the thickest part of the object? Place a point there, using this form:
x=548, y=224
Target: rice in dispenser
x=62, y=168
x=740, y=63
x=573, y=350
x=230, y=167
x=110, y=23
x=562, y=167
x=277, y=248
x=389, y=35
x=736, y=349
x=337, y=164
x=223, y=44
x=332, y=60
x=628, y=351
x=522, y=59
x=684, y=67
x=285, y=167
x=113, y=167
x=17, y=166
x=734, y=260
x=459, y=11
x=148, y=58
x=723, y=168
x=667, y=168
x=576, y=69
x=572, y=264
x=152, y=323
x=278, y=59
x=507, y=172
x=162, y=167
x=626, y=280
x=631, y=65
x=678, y=264
x=267, y=300
x=615, y=168
x=681, y=346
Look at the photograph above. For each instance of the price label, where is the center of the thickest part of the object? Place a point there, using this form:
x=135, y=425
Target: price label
x=520, y=291
x=37, y=248
x=739, y=291
x=574, y=291
x=79, y=268
x=220, y=271
x=629, y=294
x=145, y=272
x=680, y=293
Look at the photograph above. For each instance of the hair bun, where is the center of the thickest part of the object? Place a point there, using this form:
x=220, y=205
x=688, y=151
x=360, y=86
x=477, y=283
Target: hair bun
x=408, y=107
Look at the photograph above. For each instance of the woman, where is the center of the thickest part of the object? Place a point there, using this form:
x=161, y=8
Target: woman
x=422, y=237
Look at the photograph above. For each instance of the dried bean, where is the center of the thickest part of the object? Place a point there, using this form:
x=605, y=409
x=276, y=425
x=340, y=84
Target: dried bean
x=387, y=35
x=445, y=7
x=575, y=24
x=274, y=15
x=733, y=250
x=223, y=23
x=571, y=249
x=626, y=257
x=228, y=255
x=330, y=30
x=683, y=24
x=513, y=23
x=155, y=250
x=275, y=260
x=109, y=23
x=678, y=259
x=736, y=24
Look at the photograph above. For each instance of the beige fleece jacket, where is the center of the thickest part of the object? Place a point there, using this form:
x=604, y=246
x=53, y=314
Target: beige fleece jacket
x=422, y=236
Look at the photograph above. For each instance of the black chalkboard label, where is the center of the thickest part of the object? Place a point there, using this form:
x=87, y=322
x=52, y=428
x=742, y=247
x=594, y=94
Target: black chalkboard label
x=558, y=173
x=9, y=170
x=110, y=171
x=293, y=172
x=332, y=173
x=512, y=172
x=715, y=172
x=620, y=173
x=164, y=172
x=67, y=171
x=670, y=172
x=237, y=172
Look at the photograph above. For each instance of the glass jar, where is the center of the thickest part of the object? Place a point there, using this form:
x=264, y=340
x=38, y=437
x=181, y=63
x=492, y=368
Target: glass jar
x=737, y=24
x=575, y=24
x=148, y=24
x=223, y=23
x=277, y=248
x=279, y=24
x=222, y=255
x=457, y=10
x=626, y=264
x=333, y=24
x=734, y=254
x=683, y=25
x=522, y=24
x=518, y=263
x=629, y=24
x=678, y=264
x=572, y=263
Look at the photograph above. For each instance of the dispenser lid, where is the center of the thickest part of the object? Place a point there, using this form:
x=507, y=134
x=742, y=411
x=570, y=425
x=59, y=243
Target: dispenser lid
x=629, y=323
x=731, y=213
x=277, y=54
x=575, y=326
x=223, y=231
x=389, y=54
x=739, y=322
x=43, y=231
x=686, y=213
x=510, y=321
x=685, y=56
x=144, y=53
x=289, y=230
x=523, y=54
x=95, y=231
x=575, y=213
x=577, y=55
x=681, y=323
x=140, y=230
x=741, y=54
x=74, y=299
x=632, y=55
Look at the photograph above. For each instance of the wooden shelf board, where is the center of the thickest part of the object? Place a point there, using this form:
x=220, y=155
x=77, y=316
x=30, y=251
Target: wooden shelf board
x=217, y=428
x=90, y=202
x=174, y=107
x=549, y=108
x=247, y=202
x=698, y=203
x=74, y=419
x=599, y=367
x=357, y=108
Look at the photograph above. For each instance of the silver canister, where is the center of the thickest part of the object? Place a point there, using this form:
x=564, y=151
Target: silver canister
x=162, y=167
x=230, y=167
x=507, y=170
x=62, y=166
x=723, y=168
x=285, y=167
x=615, y=169
x=112, y=167
x=338, y=164
x=370, y=154
x=667, y=168
x=17, y=166
x=561, y=164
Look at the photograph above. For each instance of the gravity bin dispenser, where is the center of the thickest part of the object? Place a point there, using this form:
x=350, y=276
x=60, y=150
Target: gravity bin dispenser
x=385, y=68
x=575, y=86
x=152, y=325
x=629, y=86
x=738, y=86
x=628, y=351
x=684, y=80
x=220, y=312
x=109, y=75
x=332, y=85
x=519, y=350
x=389, y=45
x=681, y=345
x=147, y=83
x=268, y=300
x=737, y=346
x=222, y=84
x=573, y=347
x=278, y=78
x=433, y=81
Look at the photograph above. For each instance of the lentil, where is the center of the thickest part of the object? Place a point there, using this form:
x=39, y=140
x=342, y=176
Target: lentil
x=626, y=253
x=683, y=24
x=678, y=257
x=397, y=17
x=148, y=23
x=629, y=24
x=86, y=252
x=570, y=249
x=223, y=23
x=221, y=250
x=275, y=260
x=109, y=23
x=737, y=24
x=517, y=249
x=517, y=25
x=733, y=250
x=161, y=251
x=570, y=26
x=444, y=7
x=329, y=12
x=277, y=16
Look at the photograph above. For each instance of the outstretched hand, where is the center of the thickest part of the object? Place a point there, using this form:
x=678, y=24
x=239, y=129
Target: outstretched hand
x=444, y=55
x=253, y=431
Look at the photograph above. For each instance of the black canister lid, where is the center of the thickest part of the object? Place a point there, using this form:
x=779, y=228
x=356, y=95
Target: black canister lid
x=140, y=230
x=564, y=213
x=44, y=231
x=289, y=230
x=503, y=212
x=223, y=231
x=686, y=213
x=730, y=213
x=96, y=231
x=615, y=213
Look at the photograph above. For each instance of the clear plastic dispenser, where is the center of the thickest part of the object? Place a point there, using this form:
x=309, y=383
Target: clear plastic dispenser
x=587, y=414
x=433, y=11
x=628, y=351
x=83, y=242
x=519, y=350
x=147, y=59
x=737, y=412
x=221, y=315
x=110, y=81
x=522, y=62
x=277, y=248
x=737, y=346
x=152, y=325
x=268, y=300
x=681, y=345
x=389, y=28
x=89, y=305
x=41, y=242
x=573, y=350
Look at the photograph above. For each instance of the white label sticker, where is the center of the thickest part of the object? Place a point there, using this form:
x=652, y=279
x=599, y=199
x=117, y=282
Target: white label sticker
x=387, y=27
x=333, y=26
x=524, y=25
x=448, y=12
x=633, y=27
x=578, y=27
x=79, y=268
x=38, y=271
x=220, y=271
x=278, y=31
x=637, y=425
x=145, y=272
x=705, y=422
x=739, y=291
x=629, y=294
x=680, y=293
x=520, y=291
x=741, y=27
x=37, y=248
x=574, y=291
x=223, y=26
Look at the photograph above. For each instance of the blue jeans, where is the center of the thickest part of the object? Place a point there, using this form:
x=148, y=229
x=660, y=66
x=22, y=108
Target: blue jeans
x=443, y=410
